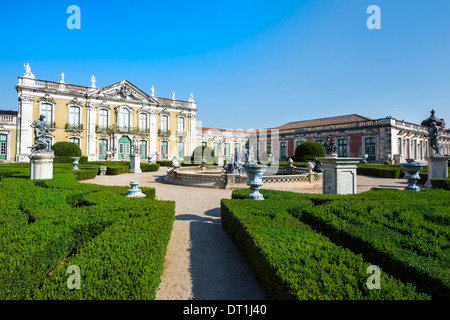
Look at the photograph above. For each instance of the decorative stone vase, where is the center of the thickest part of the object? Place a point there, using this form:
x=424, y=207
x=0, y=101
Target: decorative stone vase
x=412, y=170
x=134, y=191
x=149, y=158
x=254, y=179
x=75, y=163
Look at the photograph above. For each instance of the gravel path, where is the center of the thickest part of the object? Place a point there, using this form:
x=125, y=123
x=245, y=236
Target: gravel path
x=201, y=261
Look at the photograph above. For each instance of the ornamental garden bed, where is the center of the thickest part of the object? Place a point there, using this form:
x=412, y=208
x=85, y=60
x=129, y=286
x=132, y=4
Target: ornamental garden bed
x=46, y=226
x=309, y=246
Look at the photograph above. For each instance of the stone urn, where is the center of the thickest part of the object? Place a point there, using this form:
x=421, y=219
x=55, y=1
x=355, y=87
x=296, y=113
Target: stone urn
x=254, y=179
x=411, y=170
x=75, y=163
x=134, y=191
x=149, y=159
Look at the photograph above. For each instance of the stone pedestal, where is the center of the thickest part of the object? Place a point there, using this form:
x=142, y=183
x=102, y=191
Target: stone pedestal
x=134, y=191
x=437, y=168
x=135, y=163
x=339, y=175
x=41, y=165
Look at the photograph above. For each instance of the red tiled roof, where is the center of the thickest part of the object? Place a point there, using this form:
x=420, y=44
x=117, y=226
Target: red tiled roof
x=323, y=122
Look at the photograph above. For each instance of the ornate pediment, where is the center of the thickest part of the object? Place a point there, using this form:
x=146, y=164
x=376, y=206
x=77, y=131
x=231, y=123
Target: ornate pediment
x=47, y=98
x=124, y=90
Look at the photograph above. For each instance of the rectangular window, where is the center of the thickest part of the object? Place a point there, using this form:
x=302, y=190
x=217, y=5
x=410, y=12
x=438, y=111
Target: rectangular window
x=408, y=149
x=181, y=127
x=269, y=146
x=103, y=118
x=2, y=148
x=370, y=148
x=227, y=151
x=342, y=147
x=164, y=123
x=415, y=149
x=215, y=148
x=143, y=123
x=46, y=110
x=180, y=150
x=237, y=147
x=75, y=140
x=74, y=116
x=283, y=154
x=164, y=149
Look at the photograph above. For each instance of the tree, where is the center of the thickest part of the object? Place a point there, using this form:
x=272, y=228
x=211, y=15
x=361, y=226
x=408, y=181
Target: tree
x=308, y=151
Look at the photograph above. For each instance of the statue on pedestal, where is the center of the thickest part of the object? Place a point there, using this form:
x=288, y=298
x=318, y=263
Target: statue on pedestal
x=434, y=124
x=41, y=144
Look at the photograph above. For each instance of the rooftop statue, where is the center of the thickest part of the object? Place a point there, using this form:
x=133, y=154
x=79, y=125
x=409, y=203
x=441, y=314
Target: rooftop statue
x=41, y=144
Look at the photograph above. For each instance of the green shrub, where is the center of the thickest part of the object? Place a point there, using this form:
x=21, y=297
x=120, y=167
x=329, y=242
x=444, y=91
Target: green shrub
x=203, y=151
x=67, y=159
x=145, y=167
x=164, y=163
x=404, y=232
x=119, y=243
x=66, y=148
x=292, y=261
x=308, y=150
x=442, y=183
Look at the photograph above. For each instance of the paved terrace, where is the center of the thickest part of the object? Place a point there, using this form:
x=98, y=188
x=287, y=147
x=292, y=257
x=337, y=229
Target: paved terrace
x=202, y=262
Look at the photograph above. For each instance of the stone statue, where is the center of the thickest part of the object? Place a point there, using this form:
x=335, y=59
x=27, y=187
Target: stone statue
x=93, y=81
x=330, y=145
x=28, y=72
x=433, y=130
x=434, y=123
x=40, y=130
x=318, y=167
x=62, y=78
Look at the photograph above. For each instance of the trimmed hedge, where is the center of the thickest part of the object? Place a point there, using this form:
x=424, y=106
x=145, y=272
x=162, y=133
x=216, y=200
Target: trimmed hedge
x=119, y=243
x=308, y=150
x=67, y=159
x=66, y=148
x=292, y=261
x=443, y=183
x=145, y=167
x=406, y=233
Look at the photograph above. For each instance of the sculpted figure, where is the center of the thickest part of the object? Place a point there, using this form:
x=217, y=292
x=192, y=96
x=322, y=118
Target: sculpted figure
x=40, y=131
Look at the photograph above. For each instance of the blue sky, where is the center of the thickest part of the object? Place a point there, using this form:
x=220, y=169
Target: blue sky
x=249, y=63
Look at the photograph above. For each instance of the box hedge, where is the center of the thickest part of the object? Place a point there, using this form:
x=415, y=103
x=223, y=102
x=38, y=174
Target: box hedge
x=406, y=233
x=119, y=243
x=292, y=261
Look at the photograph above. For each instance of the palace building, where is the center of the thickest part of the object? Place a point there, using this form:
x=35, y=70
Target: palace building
x=104, y=121
x=356, y=136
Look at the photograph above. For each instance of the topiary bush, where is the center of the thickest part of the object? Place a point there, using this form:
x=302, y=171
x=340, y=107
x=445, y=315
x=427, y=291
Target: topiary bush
x=66, y=148
x=442, y=183
x=308, y=150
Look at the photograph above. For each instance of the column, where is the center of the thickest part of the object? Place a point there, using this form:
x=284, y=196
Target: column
x=24, y=132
